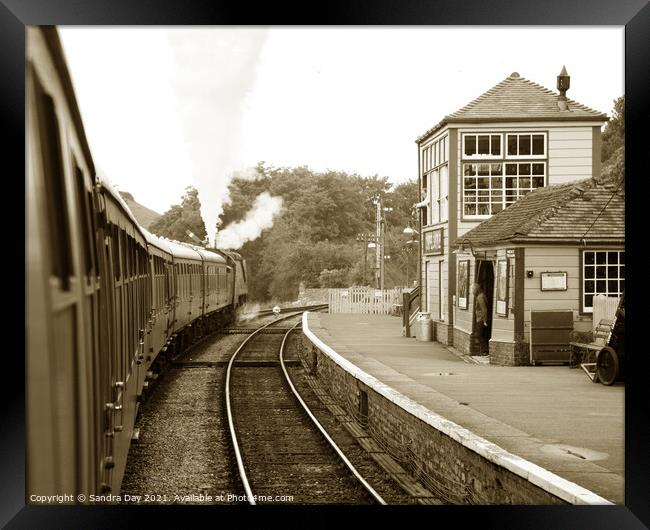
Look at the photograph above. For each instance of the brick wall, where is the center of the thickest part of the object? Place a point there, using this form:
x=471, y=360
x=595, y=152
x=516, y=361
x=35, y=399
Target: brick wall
x=443, y=333
x=465, y=342
x=509, y=353
x=453, y=472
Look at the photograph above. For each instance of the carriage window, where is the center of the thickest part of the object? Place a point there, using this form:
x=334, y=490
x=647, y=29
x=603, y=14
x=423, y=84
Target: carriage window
x=124, y=272
x=87, y=237
x=56, y=204
x=131, y=256
x=127, y=255
x=115, y=252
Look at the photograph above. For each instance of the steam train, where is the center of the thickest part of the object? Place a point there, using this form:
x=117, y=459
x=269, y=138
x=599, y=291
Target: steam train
x=107, y=302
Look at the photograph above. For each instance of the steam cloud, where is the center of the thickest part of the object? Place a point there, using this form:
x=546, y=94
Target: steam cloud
x=215, y=70
x=258, y=218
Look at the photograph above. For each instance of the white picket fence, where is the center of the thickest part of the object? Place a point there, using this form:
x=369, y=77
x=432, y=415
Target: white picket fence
x=365, y=300
x=604, y=307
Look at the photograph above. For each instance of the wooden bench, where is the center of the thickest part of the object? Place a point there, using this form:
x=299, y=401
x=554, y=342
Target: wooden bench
x=589, y=351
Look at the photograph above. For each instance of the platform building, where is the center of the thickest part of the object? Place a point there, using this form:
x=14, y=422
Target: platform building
x=476, y=162
x=554, y=250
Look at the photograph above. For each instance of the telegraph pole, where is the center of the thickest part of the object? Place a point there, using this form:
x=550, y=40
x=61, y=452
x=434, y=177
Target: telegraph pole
x=366, y=239
x=380, y=228
x=379, y=255
x=382, y=250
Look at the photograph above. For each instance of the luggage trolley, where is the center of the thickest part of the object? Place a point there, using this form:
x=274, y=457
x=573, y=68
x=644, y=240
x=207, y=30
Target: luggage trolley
x=610, y=359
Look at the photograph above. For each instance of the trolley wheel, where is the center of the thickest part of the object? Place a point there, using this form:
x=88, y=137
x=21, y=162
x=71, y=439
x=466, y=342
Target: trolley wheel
x=607, y=365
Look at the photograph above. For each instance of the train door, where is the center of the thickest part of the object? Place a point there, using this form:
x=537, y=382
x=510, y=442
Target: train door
x=114, y=380
x=203, y=268
x=169, y=298
x=176, y=294
x=90, y=406
x=109, y=273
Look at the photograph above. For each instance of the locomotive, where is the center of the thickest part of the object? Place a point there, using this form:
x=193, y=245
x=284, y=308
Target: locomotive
x=108, y=303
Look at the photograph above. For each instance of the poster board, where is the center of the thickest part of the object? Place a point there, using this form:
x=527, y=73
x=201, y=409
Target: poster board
x=553, y=281
x=463, y=283
x=433, y=240
x=502, y=288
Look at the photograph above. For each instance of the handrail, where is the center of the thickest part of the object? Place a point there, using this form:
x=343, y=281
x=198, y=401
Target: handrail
x=408, y=302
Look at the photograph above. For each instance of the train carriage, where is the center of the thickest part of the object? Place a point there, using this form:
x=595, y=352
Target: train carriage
x=127, y=303
x=239, y=281
x=186, y=265
x=215, y=282
x=106, y=300
x=161, y=316
x=65, y=445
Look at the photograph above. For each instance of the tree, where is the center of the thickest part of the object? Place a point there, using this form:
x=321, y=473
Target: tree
x=613, y=146
x=180, y=218
x=314, y=239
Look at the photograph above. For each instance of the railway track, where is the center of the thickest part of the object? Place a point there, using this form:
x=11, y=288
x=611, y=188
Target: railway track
x=186, y=446
x=281, y=450
x=183, y=448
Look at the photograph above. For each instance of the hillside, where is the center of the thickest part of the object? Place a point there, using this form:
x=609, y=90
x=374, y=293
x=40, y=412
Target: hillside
x=145, y=216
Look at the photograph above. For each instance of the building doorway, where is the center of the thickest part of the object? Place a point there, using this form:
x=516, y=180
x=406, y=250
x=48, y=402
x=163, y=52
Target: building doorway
x=485, y=278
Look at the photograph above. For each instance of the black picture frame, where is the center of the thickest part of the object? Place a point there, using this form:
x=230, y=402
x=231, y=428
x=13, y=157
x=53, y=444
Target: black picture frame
x=634, y=14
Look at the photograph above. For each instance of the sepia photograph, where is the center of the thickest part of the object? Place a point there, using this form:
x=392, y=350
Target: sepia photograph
x=377, y=265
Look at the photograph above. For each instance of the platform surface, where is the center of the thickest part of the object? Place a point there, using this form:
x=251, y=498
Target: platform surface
x=553, y=416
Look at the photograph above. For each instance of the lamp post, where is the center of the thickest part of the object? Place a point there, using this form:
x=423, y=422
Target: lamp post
x=380, y=222
x=407, y=250
x=410, y=231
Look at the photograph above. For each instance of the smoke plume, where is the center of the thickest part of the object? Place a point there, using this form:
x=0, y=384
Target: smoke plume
x=215, y=70
x=258, y=218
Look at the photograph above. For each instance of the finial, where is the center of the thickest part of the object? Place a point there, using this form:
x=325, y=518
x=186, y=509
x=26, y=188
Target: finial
x=563, y=84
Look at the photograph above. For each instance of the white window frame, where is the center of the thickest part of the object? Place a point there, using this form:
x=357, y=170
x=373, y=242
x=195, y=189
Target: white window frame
x=488, y=192
x=504, y=145
x=438, y=151
x=434, y=183
x=620, y=276
x=443, y=193
x=531, y=176
x=477, y=156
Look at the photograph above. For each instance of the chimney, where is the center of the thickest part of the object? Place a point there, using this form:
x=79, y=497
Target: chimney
x=563, y=84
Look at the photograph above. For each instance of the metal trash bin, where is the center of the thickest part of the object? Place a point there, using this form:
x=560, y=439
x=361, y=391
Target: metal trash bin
x=425, y=325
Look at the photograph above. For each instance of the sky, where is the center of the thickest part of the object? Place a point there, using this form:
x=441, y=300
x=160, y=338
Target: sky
x=169, y=107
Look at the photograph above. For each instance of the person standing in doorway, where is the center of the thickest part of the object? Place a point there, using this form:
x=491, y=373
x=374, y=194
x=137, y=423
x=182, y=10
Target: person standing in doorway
x=481, y=316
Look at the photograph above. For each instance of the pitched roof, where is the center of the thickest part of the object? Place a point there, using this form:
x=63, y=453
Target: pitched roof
x=583, y=209
x=517, y=99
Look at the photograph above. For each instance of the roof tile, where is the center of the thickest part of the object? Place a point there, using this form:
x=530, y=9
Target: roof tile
x=583, y=209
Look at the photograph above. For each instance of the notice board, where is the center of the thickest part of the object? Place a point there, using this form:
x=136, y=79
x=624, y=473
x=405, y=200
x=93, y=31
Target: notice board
x=550, y=336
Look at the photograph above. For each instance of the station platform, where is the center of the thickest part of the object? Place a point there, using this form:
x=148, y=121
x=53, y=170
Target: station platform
x=552, y=416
